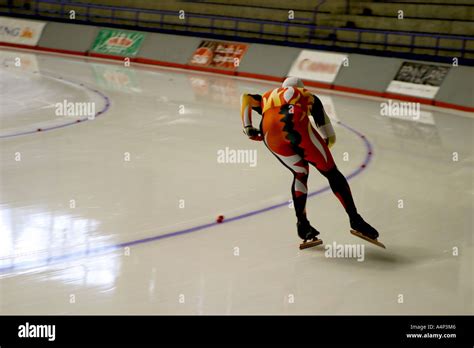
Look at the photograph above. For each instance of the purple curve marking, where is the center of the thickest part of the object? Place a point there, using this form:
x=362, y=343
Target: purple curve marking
x=67, y=124
x=108, y=248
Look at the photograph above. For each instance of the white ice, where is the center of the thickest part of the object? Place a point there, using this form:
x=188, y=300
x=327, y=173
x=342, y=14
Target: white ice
x=79, y=202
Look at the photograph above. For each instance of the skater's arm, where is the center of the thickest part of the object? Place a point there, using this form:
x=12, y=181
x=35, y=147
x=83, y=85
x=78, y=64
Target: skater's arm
x=323, y=123
x=250, y=102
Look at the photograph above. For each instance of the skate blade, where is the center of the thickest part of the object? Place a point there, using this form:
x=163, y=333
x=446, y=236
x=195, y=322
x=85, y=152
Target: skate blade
x=310, y=244
x=373, y=241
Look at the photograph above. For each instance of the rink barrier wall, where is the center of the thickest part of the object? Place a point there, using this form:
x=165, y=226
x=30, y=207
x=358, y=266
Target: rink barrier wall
x=457, y=88
x=68, y=37
x=367, y=75
x=156, y=48
x=268, y=60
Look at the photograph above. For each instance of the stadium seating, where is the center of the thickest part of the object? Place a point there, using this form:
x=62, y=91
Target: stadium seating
x=372, y=25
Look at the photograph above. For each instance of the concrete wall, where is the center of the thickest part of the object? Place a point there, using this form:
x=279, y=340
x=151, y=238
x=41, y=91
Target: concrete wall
x=458, y=87
x=70, y=37
x=365, y=74
x=169, y=48
x=268, y=59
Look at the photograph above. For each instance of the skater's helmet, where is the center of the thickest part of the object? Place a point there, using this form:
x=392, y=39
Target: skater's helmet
x=293, y=82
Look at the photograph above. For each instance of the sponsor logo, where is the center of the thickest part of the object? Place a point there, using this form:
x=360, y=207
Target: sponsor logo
x=309, y=65
x=120, y=41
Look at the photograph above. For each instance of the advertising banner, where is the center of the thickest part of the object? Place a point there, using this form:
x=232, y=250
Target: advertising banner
x=118, y=42
x=217, y=54
x=418, y=79
x=20, y=31
x=317, y=66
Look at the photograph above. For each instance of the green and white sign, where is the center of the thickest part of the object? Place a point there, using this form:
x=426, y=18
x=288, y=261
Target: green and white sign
x=118, y=42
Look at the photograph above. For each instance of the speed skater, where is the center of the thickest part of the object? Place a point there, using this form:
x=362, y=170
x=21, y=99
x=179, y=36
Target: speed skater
x=288, y=134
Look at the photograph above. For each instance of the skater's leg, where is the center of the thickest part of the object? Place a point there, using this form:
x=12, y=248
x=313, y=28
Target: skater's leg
x=299, y=193
x=341, y=189
x=317, y=153
x=276, y=139
x=282, y=140
x=299, y=187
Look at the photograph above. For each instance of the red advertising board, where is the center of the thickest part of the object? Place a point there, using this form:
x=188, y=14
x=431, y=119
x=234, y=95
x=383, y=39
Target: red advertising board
x=218, y=54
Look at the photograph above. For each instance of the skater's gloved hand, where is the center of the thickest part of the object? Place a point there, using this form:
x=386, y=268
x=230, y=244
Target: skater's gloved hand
x=330, y=141
x=253, y=133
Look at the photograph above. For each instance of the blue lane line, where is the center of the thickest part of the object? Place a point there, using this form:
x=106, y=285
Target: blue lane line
x=67, y=124
x=47, y=261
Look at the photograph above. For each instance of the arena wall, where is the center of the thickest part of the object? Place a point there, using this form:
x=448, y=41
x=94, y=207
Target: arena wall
x=368, y=75
x=68, y=37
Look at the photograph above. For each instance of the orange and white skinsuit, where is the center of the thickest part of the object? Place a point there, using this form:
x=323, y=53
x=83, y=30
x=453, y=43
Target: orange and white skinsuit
x=287, y=132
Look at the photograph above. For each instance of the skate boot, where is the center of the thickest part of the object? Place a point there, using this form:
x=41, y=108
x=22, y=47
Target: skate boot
x=309, y=235
x=363, y=230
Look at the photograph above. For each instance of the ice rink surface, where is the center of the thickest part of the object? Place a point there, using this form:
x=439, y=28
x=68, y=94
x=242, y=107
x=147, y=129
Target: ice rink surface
x=116, y=214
